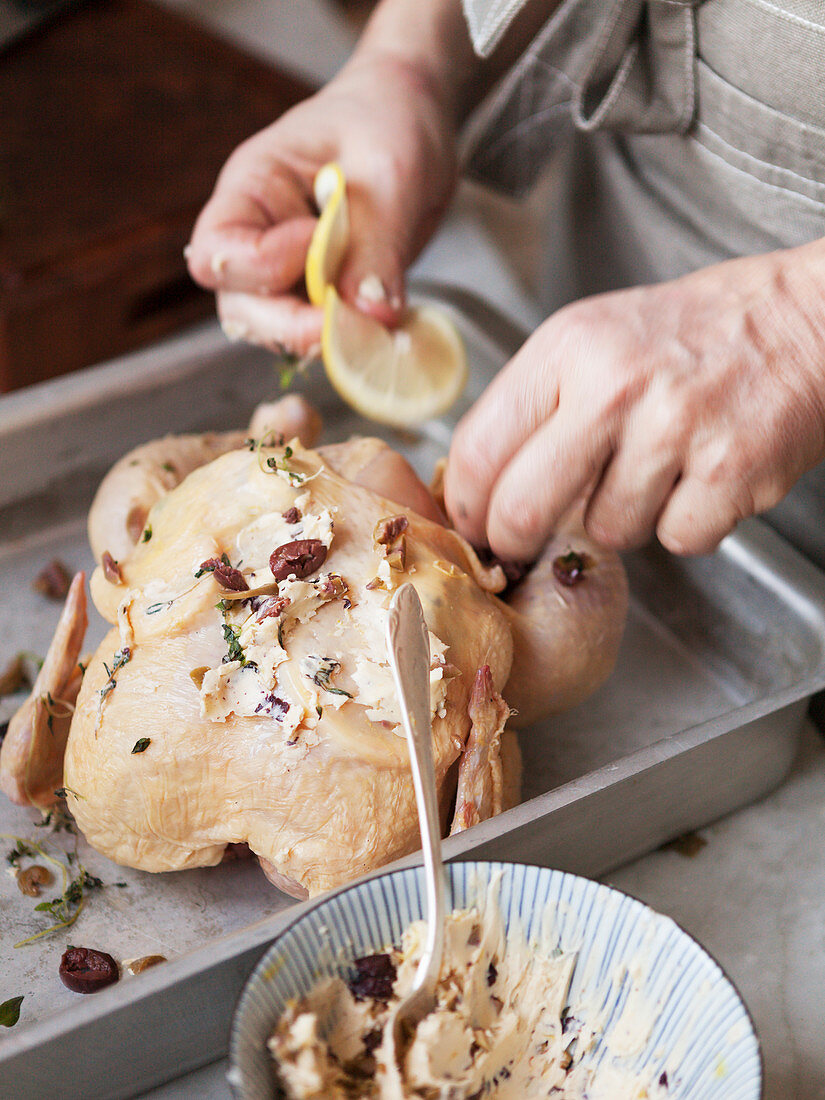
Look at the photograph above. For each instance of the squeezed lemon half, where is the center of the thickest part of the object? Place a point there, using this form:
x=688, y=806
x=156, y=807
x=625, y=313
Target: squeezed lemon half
x=329, y=240
x=398, y=376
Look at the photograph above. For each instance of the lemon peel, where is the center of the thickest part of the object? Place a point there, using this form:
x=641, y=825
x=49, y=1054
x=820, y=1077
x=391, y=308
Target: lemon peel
x=329, y=240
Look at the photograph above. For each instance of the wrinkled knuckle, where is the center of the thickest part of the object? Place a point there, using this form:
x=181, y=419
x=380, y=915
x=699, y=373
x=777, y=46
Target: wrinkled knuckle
x=516, y=520
x=722, y=461
x=568, y=326
x=616, y=520
x=669, y=424
x=583, y=320
x=380, y=161
x=611, y=528
x=770, y=490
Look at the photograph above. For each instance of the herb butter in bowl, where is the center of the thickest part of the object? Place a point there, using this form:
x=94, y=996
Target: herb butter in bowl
x=552, y=985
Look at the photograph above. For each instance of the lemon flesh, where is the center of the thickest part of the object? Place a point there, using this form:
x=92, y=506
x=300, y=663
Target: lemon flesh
x=398, y=377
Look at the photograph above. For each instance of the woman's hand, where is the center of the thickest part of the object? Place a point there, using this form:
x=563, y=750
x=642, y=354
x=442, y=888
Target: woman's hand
x=680, y=408
x=386, y=125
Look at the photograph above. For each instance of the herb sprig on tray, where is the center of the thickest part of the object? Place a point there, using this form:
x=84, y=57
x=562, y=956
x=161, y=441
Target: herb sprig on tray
x=77, y=883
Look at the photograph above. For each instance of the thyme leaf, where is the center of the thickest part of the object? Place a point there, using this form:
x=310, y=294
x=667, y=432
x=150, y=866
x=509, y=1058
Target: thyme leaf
x=141, y=745
x=65, y=909
x=21, y=850
x=212, y=565
x=55, y=708
x=57, y=820
x=62, y=792
x=281, y=465
x=10, y=1011
x=288, y=367
x=147, y=534
x=230, y=636
x=319, y=670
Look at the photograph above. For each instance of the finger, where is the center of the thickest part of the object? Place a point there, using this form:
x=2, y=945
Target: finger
x=625, y=504
x=541, y=482
x=236, y=246
x=697, y=517
x=380, y=250
x=285, y=323
x=512, y=407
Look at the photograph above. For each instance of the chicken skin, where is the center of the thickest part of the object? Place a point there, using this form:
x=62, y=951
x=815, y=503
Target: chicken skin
x=243, y=693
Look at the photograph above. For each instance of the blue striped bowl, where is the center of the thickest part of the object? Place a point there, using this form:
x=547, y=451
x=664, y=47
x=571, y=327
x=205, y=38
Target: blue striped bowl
x=701, y=1036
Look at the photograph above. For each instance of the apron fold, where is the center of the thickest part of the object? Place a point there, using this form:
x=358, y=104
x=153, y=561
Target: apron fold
x=640, y=77
x=625, y=65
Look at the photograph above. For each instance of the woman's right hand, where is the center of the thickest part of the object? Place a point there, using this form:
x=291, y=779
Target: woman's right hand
x=384, y=124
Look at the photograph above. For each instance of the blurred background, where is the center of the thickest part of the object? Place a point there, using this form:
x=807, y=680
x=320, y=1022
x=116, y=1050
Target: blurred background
x=116, y=116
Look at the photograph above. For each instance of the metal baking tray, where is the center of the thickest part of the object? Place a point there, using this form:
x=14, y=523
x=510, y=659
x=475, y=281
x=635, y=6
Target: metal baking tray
x=702, y=714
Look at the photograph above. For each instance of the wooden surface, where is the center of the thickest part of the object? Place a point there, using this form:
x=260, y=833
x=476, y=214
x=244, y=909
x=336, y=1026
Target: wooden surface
x=114, y=121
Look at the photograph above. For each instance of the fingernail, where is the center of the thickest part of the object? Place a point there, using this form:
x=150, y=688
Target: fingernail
x=218, y=263
x=371, y=290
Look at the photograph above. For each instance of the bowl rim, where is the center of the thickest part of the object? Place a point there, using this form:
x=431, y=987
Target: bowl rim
x=314, y=904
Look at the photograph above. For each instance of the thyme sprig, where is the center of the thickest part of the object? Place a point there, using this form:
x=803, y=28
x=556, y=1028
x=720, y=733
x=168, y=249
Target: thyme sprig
x=288, y=365
x=70, y=900
x=295, y=477
x=326, y=668
x=275, y=465
x=55, y=708
x=57, y=819
x=231, y=637
x=162, y=605
x=122, y=657
x=67, y=907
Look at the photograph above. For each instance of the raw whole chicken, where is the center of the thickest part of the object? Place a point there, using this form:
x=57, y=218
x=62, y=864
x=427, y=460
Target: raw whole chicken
x=243, y=694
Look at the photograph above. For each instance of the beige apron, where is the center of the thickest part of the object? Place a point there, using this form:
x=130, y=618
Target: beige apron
x=680, y=133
